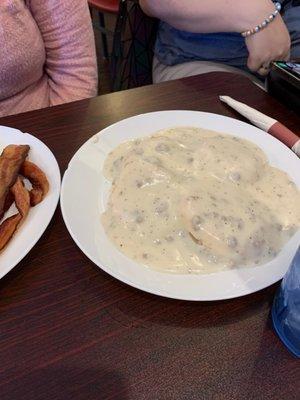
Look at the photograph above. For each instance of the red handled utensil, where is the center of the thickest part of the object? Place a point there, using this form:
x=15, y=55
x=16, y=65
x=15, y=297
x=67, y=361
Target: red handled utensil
x=268, y=124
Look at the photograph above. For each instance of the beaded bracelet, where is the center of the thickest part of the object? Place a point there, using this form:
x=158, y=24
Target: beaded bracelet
x=264, y=23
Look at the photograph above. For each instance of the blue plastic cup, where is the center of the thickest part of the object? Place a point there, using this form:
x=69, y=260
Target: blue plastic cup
x=286, y=307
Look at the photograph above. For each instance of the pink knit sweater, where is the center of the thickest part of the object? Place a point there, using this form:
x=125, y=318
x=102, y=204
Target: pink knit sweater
x=47, y=54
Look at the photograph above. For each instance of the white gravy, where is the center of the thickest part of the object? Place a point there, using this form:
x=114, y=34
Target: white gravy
x=188, y=200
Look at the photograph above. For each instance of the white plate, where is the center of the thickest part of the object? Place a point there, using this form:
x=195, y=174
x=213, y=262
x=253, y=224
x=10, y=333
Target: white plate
x=85, y=191
x=40, y=215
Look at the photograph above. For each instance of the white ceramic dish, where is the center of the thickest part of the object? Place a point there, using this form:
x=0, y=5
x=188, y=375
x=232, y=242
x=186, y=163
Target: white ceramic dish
x=85, y=191
x=40, y=215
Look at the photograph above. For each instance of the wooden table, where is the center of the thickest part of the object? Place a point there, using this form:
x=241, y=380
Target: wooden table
x=70, y=331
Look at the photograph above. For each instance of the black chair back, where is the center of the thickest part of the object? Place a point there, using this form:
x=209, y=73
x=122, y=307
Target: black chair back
x=132, y=54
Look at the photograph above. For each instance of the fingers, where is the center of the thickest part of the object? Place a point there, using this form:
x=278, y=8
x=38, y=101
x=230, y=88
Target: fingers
x=254, y=63
x=264, y=70
x=262, y=67
x=268, y=45
x=38, y=180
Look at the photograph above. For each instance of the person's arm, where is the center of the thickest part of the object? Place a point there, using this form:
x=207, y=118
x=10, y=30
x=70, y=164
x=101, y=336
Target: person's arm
x=71, y=63
x=207, y=16
x=269, y=44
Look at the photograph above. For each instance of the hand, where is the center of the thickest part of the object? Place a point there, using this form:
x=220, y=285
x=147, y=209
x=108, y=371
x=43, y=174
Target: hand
x=270, y=44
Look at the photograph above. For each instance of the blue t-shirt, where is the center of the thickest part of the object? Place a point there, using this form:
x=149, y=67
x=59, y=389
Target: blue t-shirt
x=174, y=46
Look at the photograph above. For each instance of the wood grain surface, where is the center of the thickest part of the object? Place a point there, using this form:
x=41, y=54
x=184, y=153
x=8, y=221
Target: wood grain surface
x=70, y=331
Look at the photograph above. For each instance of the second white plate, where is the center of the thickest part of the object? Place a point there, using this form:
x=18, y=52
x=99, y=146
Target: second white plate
x=40, y=215
x=85, y=190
